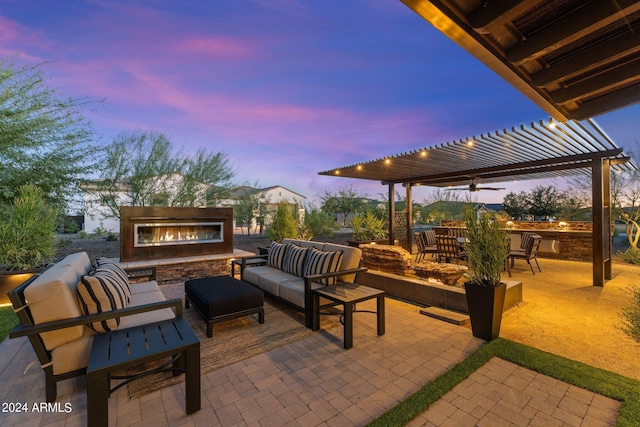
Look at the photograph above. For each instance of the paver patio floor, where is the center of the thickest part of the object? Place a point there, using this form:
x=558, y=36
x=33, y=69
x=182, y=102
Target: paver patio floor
x=315, y=382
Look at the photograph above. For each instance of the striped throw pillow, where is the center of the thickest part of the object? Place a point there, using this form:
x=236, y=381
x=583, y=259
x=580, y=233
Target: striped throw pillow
x=294, y=260
x=319, y=262
x=277, y=254
x=108, y=267
x=99, y=293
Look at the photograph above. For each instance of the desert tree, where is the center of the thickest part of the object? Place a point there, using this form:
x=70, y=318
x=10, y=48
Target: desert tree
x=143, y=169
x=345, y=202
x=249, y=205
x=516, y=205
x=44, y=138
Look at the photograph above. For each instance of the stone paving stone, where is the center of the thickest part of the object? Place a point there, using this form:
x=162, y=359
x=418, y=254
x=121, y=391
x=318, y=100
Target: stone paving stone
x=315, y=382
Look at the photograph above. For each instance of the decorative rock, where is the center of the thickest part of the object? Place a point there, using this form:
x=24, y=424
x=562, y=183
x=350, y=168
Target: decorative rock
x=449, y=274
x=387, y=258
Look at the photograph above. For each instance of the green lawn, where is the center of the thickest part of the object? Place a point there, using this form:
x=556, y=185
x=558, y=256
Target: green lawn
x=608, y=384
x=8, y=320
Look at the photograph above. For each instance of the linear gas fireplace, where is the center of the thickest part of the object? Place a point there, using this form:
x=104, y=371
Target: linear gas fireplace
x=163, y=232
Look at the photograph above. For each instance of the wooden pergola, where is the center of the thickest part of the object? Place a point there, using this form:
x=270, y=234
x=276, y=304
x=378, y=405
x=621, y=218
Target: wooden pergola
x=547, y=149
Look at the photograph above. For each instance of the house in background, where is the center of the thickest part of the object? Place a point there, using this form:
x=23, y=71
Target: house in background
x=101, y=211
x=271, y=196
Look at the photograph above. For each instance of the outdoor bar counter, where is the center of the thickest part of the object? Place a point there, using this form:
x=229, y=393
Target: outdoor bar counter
x=572, y=241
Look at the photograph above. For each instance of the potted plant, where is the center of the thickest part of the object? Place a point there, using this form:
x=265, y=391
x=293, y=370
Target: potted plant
x=487, y=250
x=27, y=239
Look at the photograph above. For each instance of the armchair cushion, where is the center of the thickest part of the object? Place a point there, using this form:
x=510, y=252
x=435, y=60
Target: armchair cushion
x=99, y=293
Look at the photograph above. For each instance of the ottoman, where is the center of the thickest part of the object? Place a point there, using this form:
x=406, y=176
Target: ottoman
x=220, y=298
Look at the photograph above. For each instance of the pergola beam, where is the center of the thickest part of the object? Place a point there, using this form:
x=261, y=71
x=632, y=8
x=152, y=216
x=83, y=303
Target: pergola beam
x=516, y=169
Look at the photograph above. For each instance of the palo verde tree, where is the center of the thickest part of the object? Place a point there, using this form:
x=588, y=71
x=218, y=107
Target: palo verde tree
x=345, y=202
x=250, y=205
x=143, y=169
x=44, y=139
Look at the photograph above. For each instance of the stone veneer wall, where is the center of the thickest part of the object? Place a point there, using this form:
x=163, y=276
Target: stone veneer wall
x=174, y=270
x=174, y=273
x=534, y=225
x=573, y=242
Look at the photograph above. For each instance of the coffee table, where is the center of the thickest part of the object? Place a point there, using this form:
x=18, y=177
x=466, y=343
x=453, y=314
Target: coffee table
x=348, y=294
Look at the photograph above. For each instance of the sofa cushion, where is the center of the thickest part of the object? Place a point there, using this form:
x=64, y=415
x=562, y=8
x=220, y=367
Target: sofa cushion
x=99, y=293
x=351, y=258
x=271, y=282
x=73, y=355
x=276, y=255
x=320, y=262
x=254, y=274
x=294, y=260
x=148, y=316
x=142, y=287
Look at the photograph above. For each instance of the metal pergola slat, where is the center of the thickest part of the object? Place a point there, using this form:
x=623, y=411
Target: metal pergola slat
x=547, y=149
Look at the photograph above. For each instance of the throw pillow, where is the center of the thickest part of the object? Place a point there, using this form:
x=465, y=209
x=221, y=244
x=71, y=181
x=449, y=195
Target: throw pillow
x=276, y=254
x=100, y=293
x=294, y=260
x=319, y=262
x=108, y=266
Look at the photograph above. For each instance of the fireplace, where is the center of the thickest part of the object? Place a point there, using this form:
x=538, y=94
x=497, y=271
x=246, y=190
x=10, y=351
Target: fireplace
x=163, y=232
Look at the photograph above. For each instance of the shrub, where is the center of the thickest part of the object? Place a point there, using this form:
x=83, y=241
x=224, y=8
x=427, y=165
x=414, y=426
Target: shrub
x=70, y=226
x=368, y=226
x=111, y=237
x=631, y=315
x=284, y=223
x=316, y=223
x=27, y=230
x=64, y=242
x=630, y=256
x=83, y=234
x=99, y=231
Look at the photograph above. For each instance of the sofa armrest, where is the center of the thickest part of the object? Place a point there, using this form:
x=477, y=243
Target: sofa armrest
x=314, y=277
x=25, y=330
x=244, y=259
x=307, y=289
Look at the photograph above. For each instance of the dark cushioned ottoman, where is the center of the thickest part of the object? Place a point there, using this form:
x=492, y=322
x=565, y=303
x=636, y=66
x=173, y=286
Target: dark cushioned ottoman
x=220, y=298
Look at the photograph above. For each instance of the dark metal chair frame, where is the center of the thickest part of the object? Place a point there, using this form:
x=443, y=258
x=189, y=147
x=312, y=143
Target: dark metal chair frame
x=449, y=248
x=530, y=252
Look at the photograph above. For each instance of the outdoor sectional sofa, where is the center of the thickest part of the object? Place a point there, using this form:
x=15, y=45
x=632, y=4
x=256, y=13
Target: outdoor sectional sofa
x=62, y=309
x=294, y=267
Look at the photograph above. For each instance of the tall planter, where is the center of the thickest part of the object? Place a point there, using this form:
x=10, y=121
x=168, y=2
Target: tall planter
x=485, y=304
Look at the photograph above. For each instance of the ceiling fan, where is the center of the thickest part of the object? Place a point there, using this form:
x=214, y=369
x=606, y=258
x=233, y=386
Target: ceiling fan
x=473, y=188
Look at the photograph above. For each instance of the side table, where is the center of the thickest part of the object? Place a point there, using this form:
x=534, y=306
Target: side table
x=348, y=294
x=123, y=348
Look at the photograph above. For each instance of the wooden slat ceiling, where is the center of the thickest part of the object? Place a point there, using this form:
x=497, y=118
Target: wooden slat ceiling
x=574, y=58
x=546, y=149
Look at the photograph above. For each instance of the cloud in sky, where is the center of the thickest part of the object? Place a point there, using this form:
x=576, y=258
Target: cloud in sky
x=286, y=88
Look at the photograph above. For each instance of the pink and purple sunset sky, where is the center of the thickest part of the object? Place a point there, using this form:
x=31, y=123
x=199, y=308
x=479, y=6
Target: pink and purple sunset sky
x=286, y=88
